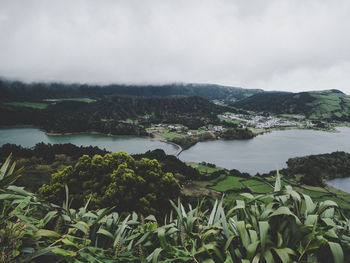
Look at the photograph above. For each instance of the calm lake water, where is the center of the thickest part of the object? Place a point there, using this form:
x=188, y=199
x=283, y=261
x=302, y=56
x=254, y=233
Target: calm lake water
x=341, y=183
x=28, y=137
x=264, y=152
x=260, y=154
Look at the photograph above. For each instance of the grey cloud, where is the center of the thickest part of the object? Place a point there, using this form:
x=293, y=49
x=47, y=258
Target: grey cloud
x=271, y=44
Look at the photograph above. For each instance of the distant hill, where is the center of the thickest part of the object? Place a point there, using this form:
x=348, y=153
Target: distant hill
x=116, y=115
x=19, y=91
x=328, y=104
x=121, y=108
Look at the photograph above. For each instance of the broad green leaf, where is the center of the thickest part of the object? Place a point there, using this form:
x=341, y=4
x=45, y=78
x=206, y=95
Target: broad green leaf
x=325, y=205
x=278, y=181
x=243, y=233
x=48, y=217
x=337, y=252
x=46, y=233
x=4, y=167
x=156, y=253
x=284, y=253
x=283, y=210
x=310, y=206
x=247, y=195
x=208, y=233
x=63, y=252
x=37, y=254
x=329, y=221
x=161, y=236
x=213, y=246
x=68, y=242
x=105, y=233
x=263, y=228
x=311, y=219
x=228, y=242
x=268, y=256
x=82, y=226
x=228, y=258
x=251, y=249
x=151, y=218
x=212, y=214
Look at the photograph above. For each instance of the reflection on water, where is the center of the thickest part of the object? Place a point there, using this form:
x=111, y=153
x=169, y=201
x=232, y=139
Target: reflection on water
x=28, y=137
x=264, y=152
x=260, y=154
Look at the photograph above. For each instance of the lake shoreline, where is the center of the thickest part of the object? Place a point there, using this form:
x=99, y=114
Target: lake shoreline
x=334, y=186
x=257, y=155
x=157, y=138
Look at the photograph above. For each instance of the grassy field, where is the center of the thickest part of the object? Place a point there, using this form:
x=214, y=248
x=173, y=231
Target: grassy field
x=261, y=188
x=27, y=104
x=327, y=104
x=169, y=135
x=87, y=100
x=232, y=186
x=227, y=183
x=204, y=169
x=229, y=120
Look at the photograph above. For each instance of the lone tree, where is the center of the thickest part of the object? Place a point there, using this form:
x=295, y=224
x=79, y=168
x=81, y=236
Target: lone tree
x=115, y=179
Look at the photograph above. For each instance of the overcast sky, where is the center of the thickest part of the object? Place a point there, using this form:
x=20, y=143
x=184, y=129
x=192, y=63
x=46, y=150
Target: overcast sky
x=269, y=44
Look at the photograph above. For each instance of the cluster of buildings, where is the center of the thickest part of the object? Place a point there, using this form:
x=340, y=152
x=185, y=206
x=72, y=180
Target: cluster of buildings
x=260, y=122
x=163, y=128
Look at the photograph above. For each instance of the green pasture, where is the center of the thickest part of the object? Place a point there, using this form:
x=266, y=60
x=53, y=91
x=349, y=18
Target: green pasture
x=27, y=104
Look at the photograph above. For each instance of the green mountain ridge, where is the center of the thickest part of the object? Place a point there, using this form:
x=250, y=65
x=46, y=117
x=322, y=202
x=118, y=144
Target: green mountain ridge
x=19, y=91
x=328, y=104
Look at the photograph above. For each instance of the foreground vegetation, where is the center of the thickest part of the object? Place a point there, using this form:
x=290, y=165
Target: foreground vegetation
x=216, y=181
x=281, y=226
x=114, y=179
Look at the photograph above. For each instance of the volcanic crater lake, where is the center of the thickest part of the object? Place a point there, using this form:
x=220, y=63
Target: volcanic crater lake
x=258, y=155
x=28, y=137
x=264, y=152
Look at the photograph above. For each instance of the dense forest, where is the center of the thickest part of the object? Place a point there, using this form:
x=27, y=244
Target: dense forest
x=317, y=169
x=325, y=105
x=42, y=160
x=19, y=91
x=114, y=180
x=110, y=115
x=233, y=133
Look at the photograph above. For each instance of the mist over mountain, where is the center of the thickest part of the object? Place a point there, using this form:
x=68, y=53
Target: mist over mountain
x=16, y=90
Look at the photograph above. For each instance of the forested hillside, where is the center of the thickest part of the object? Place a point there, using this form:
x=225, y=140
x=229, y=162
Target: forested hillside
x=115, y=115
x=19, y=91
x=317, y=169
x=330, y=104
x=42, y=160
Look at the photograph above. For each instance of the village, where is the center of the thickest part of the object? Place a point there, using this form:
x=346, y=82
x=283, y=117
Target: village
x=264, y=122
x=169, y=131
x=256, y=122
